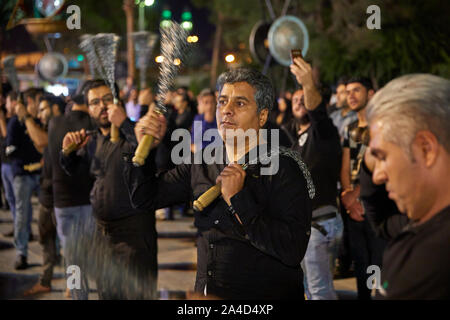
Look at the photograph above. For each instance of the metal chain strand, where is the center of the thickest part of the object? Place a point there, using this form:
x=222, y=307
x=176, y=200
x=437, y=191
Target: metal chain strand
x=297, y=157
x=86, y=42
x=105, y=45
x=173, y=46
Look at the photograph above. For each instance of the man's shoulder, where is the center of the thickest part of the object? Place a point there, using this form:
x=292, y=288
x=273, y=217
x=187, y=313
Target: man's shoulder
x=290, y=166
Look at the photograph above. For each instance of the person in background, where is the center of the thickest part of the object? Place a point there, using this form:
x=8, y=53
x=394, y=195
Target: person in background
x=366, y=248
x=24, y=144
x=204, y=121
x=7, y=171
x=283, y=114
x=342, y=116
x=132, y=106
x=315, y=137
x=49, y=107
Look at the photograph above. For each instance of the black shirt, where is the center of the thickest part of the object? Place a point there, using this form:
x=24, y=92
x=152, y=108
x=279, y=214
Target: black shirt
x=109, y=198
x=20, y=148
x=320, y=148
x=74, y=190
x=416, y=263
x=259, y=260
x=381, y=211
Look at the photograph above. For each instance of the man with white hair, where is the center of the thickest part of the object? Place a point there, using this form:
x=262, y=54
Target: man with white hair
x=410, y=153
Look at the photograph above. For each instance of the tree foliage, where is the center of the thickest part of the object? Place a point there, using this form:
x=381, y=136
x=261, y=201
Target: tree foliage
x=414, y=35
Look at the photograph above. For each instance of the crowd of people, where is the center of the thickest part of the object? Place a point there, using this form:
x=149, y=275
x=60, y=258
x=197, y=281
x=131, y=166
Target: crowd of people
x=362, y=181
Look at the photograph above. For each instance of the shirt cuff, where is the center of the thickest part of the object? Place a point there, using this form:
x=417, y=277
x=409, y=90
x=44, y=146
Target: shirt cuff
x=244, y=206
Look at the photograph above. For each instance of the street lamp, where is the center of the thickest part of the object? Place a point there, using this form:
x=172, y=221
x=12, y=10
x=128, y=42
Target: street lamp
x=230, y=58
x=142, y=4
x=186, y=20
x=166, y=16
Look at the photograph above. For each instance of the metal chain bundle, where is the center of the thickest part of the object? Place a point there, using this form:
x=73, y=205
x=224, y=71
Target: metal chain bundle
x=173, y=46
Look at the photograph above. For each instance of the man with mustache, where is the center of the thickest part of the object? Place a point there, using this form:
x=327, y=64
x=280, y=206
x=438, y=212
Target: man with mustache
x=252, y=238
x=125, y=240
x=314, y=136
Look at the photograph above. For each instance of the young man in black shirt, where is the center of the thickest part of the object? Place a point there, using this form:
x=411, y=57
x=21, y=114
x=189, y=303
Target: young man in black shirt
x=49, y=107
x=252, y=238
x=71, y=192
x=25, y=161
x=366, y=247
x=124, y=246
x=7, y=173
x=410, y=141
x=317, y=139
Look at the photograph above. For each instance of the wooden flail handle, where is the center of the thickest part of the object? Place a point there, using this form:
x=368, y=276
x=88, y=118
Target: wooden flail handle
x=208, y=197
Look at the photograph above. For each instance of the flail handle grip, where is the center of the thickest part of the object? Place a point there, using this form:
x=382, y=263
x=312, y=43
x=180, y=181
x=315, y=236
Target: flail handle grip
x=208, y=197
x=142, y=150
x=114, y=130
x=114, y=134
x=70, y=148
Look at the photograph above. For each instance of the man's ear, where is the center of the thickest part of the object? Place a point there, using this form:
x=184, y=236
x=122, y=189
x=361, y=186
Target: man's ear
x=263, y=115
x=427, y=146
x=370, y=94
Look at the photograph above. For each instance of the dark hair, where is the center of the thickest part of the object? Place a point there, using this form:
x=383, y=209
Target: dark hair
x=12, y=95
x=206, y=92
x=264, y=93
x=362, y=80
x=92, y=84
x=52, y=100
x=32, y=93
x=341, y=81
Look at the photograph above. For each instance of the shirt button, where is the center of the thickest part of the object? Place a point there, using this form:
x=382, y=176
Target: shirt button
x=209, y=273
x=211, y=246
x=216, y=222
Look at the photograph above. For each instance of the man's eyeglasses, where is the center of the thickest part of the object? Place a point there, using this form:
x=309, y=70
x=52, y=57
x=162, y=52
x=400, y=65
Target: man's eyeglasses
x=107, y=100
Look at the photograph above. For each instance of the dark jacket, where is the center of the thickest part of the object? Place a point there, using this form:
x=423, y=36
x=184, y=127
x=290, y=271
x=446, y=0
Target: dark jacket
x=257, y=260
x=73, y=190
x=20, y=148
x=109, y=198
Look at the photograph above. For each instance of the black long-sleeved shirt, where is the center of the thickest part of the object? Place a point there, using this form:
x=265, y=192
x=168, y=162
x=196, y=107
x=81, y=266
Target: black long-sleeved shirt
x=20, y=148
x=73, y=190
x=416, y=262
x=257, y=260
x=381, y=211
x=109, y=198
x=320, y=148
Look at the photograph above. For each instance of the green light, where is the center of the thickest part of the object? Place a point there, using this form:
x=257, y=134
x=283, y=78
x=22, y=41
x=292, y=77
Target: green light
x=187, y=25
x=80, y=58
x=186, y=16
x=166, y=14
x=165, y=24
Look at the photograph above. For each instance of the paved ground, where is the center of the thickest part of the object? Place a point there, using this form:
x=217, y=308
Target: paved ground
x=176, y=258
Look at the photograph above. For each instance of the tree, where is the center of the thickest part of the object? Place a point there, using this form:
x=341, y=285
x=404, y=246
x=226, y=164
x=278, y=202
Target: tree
x=413, y=36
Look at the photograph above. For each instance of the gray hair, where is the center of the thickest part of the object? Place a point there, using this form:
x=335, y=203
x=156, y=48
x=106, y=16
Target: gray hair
x=412, y=103
x=264, y=93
